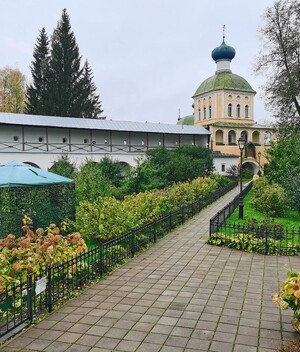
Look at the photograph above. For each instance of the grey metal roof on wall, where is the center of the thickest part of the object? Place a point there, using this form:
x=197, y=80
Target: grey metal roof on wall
x=95, y=124
x=217, y=154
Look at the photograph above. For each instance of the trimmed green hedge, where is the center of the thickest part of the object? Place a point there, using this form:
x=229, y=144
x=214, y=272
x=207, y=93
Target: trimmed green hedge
x=44, y=204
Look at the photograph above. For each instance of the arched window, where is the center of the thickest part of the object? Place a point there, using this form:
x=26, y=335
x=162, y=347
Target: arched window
x=267, y=138
x=255, y=138
x=199, y=114
x=247, y=111
x=219, y=137
x=231, y=137
x=245, y=135
x=238, y=110
x=204, y=113
x=209, y=111
x=230, y=110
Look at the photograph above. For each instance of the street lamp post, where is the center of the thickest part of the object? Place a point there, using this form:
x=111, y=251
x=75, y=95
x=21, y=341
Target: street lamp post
x=259, y=171
x=242, y=142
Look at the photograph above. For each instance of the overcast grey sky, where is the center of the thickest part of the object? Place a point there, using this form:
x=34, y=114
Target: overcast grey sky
x=148, y=56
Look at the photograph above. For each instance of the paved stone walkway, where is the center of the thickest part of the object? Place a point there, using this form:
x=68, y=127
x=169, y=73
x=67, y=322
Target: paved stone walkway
x=180, y=295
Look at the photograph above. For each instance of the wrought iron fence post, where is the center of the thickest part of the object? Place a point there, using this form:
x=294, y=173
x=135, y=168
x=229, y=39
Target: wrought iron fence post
x=170, y=222
x=29, y=298
x=49, y=289
x=267, y=242
x=154, y=231
x=101, y=258
x=132, y=243
x=217, y=222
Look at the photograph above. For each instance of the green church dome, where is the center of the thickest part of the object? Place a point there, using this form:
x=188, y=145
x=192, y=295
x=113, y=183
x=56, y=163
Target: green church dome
x=224, y=80
x=186, y=120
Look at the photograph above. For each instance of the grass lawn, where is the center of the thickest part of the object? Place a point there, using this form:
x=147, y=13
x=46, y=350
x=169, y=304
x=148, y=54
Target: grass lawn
x=290, y=221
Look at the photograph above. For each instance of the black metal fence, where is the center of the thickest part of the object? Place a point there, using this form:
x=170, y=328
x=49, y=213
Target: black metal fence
x=263, y=239
x=21, y=304
x=268, y=239
x=219, y=219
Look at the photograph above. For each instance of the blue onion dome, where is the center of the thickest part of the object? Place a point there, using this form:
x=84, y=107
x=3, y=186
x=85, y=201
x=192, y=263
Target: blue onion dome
x=223, y=52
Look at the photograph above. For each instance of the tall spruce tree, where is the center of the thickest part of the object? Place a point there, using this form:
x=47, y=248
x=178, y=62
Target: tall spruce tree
x=91, y=105
x=36, y=91
x=64, y=81
x=69, y=90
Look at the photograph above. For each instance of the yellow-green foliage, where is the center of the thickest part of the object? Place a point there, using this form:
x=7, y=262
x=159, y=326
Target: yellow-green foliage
x=108, y=217
x=289, y=297
x=269, y=198
x=34, y=252
x=203, y=186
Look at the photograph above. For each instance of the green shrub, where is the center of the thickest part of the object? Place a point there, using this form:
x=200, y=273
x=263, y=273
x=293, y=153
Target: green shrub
x=108, y=217
x=247, y=173
x=259, y=185
x=90, y=183
x=221, y=180
x=64, y=167
x=111, y=171
x=269, y=198
x=88, y=220
x=291, y=184
x=249, y=243
x=162, y=168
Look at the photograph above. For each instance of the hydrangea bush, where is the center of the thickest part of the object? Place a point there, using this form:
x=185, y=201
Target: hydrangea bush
x=35, y=251
x=289, y=297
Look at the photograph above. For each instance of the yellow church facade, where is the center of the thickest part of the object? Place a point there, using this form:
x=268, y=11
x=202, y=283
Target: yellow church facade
x=224, y=104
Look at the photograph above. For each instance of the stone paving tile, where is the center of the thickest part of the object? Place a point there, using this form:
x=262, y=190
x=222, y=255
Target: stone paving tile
x=176, y=341
x=127, y=345
x=148, y=347
x=50, y=335
x=80, y=328
x=134, y=335
x=172, y=349
x=21, y=341
x=88, y=340
x=243, y=348
x=163, y=329
x=221, y=347
x=108, y=343
x=247, y=340
x=39, y=344
x=179, y=295
x=75, y=348
x=116, y=333
x=69, y=337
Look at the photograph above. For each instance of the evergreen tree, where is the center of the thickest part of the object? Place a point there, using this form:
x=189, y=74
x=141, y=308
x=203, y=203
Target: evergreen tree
x=64, y=88
x=61, y=87
x=36, y=92
x=91, y=105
